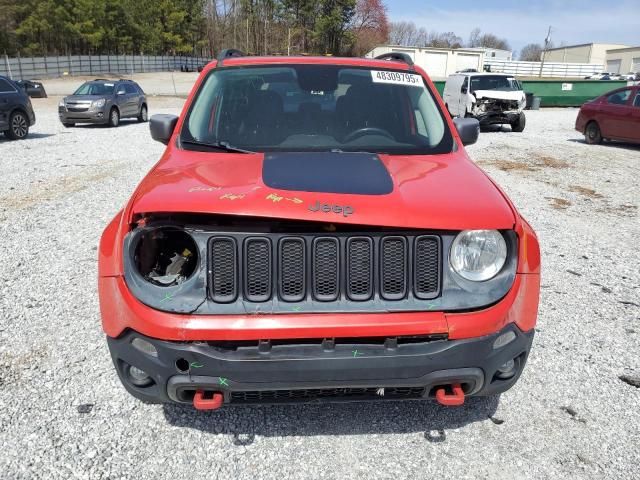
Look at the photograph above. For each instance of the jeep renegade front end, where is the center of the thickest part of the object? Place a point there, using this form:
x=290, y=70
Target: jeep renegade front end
x=316, y=231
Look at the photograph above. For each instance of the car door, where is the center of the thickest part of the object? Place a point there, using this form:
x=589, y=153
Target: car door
x=634, y=124
x=613, y=112
x=464, y=104
x=7, y=93
x=132, y=99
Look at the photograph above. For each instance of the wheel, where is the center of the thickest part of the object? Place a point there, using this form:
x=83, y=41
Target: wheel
x=114, y=117
x=143, y=116
x=592, y=134
x=519, y=124
x=69, y=125
x=18, y=126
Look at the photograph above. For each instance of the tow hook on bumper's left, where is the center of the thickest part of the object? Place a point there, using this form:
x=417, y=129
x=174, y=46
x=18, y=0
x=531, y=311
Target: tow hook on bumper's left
x=207, y=401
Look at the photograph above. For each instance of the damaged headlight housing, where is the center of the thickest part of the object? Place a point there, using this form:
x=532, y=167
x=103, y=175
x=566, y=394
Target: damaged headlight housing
x=478, y=255
x=166, y=256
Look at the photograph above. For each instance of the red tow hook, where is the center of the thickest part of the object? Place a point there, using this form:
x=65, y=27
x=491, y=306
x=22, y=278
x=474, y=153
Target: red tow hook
x=454, y=400
x=212, y=403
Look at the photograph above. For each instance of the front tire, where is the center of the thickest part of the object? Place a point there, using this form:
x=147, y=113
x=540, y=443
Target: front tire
x=519, y=124
x=143, y=116
x=592, y=134
x=114, y=117
x=18, y=126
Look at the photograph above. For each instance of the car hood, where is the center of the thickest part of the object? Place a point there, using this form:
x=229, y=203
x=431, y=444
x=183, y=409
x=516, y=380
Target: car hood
x=447, y=192
x=499, y=95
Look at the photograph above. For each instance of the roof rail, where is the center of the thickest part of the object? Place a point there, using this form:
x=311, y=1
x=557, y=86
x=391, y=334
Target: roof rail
x=228, y=53
x=100, y=80
x=396, y=57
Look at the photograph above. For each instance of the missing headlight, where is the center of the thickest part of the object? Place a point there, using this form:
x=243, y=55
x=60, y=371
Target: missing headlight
x=166, y=256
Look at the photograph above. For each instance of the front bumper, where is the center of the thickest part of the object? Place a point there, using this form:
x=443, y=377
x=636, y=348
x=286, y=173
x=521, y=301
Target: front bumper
x=498, y=118
x=303, y=371
x=97, y=116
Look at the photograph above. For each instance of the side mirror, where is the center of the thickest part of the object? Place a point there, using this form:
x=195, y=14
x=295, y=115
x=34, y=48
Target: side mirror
x=468, y=129
x=463, y=89
x=162, y=126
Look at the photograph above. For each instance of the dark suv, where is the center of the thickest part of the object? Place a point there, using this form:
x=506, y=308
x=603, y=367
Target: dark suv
x=16, y=112
x=104, y=101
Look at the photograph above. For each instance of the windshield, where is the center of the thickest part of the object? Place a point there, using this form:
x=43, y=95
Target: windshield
x=495, y=82
x=317, y=108
x=93, y=88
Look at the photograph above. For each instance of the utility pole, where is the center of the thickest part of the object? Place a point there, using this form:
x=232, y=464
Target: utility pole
x=547, y=41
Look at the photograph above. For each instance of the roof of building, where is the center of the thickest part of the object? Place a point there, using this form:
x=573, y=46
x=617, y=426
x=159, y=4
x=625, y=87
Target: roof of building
x=621, y=45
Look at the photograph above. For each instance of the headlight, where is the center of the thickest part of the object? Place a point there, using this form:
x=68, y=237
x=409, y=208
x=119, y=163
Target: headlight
x=478, y=255
x=98, y=103
x=61, y=104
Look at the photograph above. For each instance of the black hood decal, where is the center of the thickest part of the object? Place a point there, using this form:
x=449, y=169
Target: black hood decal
x=327, y=172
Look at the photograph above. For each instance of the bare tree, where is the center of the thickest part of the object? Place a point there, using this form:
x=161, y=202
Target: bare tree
x=487, y=40
x=531, y=52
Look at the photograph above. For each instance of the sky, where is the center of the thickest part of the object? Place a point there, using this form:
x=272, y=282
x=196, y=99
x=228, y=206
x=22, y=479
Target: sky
x=522, y=22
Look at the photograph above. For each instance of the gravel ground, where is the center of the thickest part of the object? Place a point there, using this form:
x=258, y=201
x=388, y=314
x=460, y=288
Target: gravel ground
x=63, y=413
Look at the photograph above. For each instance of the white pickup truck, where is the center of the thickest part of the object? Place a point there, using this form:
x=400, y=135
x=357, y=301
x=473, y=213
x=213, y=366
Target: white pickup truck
x=492, y=98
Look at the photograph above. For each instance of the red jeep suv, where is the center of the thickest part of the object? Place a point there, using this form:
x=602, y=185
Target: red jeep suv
x=316, y=231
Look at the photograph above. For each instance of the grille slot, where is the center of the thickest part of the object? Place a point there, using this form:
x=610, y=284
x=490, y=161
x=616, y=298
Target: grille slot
x=359, y=268
x=257, y=268
x=223, y=261
x=393, y=266
x=427, y=267
x=292, y=286
x=327, y=393
x=326, y=279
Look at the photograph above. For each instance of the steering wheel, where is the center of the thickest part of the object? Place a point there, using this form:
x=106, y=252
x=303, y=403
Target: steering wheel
x=367, y=131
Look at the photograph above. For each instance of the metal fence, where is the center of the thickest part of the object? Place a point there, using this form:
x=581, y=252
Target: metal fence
x=50, y=67
x=550, y=69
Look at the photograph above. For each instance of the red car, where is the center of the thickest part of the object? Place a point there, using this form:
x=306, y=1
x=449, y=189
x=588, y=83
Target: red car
x=316, y=231
x=613, y=116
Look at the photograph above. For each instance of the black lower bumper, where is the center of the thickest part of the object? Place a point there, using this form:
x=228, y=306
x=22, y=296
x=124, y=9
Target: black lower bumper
x=498, y=118
x=273, y=372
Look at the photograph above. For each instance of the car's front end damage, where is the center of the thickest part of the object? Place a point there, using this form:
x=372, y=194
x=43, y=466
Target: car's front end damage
x=318, y=275
x=495, y=107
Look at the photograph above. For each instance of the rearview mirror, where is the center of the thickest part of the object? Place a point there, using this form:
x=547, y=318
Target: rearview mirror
x=162, y=126
x=468, y=129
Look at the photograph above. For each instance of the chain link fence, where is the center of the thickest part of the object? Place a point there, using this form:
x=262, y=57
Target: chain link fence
x=27, y=68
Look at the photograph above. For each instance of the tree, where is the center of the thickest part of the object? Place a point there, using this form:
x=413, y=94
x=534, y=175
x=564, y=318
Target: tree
x=487, y=40
x=531, y=52
x=369, y=25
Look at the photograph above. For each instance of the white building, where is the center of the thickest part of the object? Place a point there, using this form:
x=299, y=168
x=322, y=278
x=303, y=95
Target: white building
x=439, y=63
x=494, y=53
x=623, y=60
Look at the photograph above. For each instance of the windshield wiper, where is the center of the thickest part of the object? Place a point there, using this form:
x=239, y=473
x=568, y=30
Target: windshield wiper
x=224, y=146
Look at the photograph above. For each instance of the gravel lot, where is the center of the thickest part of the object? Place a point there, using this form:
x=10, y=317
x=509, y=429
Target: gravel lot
x=63, y=413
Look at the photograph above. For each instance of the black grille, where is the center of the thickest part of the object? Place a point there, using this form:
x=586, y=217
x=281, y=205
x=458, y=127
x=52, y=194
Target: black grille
x=257, y=269
x=394, y=267
x=347, y=269
x=224, y=280
x=360, y=268
x=327, y=393
x=292, y=269
x=325, y=269
x=427, y=267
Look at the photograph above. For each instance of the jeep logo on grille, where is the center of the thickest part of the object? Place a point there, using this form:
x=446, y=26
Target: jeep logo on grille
x=345, y=210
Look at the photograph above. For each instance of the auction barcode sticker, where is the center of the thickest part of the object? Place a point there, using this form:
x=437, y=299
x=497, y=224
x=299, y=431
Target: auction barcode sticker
x=397, y=78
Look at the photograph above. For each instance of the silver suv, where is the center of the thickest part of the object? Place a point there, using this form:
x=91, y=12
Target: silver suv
x=104, y=101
